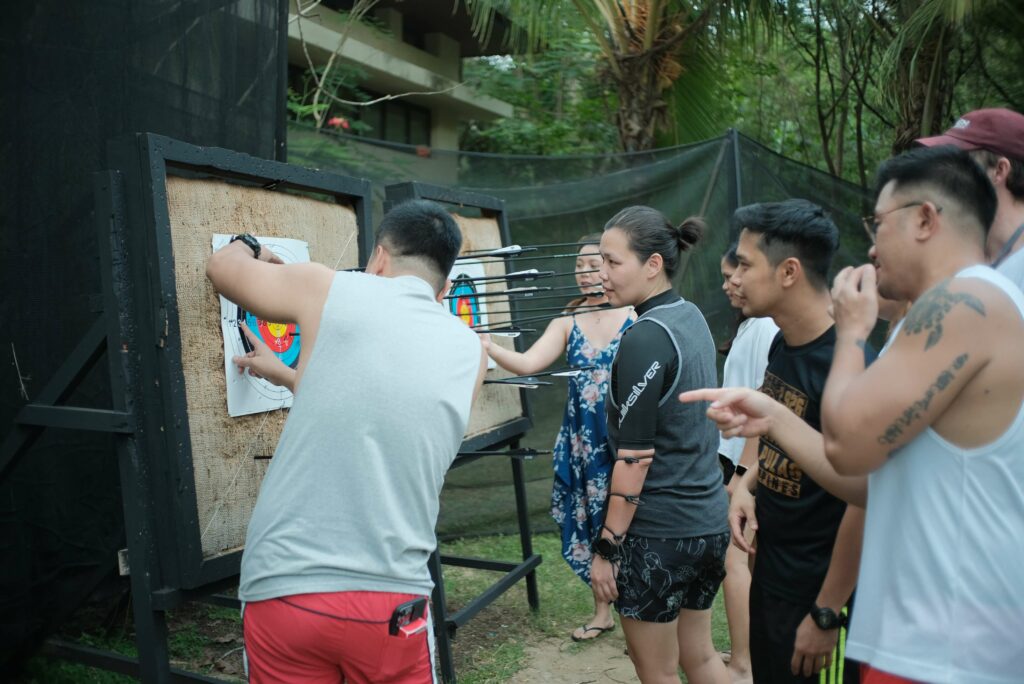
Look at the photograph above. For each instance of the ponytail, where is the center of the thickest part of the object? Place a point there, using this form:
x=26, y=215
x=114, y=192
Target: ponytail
x=690, y=231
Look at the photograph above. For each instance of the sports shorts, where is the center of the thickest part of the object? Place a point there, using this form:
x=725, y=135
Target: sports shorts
x=659, y=577
x=332, y=638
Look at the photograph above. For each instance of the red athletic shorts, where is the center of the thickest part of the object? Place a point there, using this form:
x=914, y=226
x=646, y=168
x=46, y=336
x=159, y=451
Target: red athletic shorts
x=869, y=675
x=334, y=637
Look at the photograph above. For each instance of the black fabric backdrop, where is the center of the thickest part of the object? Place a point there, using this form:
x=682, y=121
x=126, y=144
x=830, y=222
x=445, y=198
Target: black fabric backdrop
x=76, y=73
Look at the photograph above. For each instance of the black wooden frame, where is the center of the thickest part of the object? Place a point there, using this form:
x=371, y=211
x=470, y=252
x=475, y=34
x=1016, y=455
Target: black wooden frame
x=139, y=331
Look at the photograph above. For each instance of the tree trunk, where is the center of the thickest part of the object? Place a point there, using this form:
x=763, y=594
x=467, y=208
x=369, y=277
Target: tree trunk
x=640, y=104
x=922, y=86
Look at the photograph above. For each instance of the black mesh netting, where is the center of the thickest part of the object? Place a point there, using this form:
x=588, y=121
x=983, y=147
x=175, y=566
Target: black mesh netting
x=558, y=199
x=74, y=75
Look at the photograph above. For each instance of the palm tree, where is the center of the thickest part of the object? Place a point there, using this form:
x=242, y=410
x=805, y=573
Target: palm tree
x=645, y=44
x=918, y=65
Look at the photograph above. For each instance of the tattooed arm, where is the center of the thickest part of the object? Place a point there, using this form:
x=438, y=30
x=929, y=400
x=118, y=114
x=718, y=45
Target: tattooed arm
x=867, y=414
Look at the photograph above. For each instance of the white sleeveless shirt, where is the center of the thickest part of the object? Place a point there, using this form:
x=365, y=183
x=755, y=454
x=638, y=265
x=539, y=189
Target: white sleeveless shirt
x=940, y=596
x=350, y=500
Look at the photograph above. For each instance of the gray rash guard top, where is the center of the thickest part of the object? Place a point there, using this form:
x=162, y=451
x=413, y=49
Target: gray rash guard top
x=667, y=351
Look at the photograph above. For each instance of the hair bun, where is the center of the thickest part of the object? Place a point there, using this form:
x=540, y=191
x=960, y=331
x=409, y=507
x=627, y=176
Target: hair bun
x=689, y=232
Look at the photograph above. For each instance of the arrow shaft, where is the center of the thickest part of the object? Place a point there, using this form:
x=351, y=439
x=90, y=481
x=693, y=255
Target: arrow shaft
x=575, y=309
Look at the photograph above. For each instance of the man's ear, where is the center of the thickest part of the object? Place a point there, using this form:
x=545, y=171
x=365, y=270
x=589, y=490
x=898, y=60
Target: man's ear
x=380, y=261
x=1000, y=172
x=789, y=271
x=444, y=291
x=927, y=221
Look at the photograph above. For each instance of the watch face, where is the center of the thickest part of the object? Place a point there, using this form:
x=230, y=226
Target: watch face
x=826, y=618
x=605, y=548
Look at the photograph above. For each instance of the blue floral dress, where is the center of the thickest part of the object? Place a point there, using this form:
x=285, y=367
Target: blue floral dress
x=582, y=463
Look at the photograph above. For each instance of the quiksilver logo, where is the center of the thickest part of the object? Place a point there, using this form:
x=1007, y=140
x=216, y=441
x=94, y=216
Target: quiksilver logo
x=961, y=123
x=637, y=390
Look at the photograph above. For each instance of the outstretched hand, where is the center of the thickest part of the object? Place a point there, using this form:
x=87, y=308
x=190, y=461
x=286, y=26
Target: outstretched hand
x=263, y=363
x=738, y=411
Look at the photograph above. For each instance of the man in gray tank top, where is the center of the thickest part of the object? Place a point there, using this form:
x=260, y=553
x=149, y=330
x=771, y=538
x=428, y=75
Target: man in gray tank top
x=344, y=521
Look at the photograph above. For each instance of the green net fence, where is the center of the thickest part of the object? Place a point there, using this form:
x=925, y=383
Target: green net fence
x=558, y=199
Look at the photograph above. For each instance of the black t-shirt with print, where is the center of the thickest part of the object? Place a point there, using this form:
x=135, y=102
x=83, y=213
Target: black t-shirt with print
x=797, y=519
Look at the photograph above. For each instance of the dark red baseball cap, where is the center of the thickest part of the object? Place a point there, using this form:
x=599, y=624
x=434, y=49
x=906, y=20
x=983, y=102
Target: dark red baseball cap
x=997, y=130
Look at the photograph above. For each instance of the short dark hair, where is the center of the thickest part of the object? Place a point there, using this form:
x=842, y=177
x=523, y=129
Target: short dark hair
x=421, y=228
x=649, y=232
x=1015, y=181
x=793, y=228
x=948, y=171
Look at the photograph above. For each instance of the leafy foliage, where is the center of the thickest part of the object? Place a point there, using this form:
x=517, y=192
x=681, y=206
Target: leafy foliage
x=562, y=104
x=646, y=45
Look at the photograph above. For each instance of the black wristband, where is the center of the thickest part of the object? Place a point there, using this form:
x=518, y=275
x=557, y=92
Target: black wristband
x=607, y=549
x=250, y=242
x=630, y=498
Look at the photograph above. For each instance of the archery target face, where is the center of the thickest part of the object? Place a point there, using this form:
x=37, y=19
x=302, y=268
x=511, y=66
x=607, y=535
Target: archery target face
x=462, y=300
x=464, y=305
x=247, y=394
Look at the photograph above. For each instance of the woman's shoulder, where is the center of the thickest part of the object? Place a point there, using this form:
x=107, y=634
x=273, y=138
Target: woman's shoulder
x=563, y=324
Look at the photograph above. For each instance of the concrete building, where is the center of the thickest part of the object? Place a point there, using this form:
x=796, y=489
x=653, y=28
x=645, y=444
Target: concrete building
x=418, y=47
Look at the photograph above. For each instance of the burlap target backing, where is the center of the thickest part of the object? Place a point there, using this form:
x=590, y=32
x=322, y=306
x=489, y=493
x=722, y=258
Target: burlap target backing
x=225, y=450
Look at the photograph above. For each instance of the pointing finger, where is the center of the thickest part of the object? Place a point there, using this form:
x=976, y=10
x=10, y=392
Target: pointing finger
x=254, y=340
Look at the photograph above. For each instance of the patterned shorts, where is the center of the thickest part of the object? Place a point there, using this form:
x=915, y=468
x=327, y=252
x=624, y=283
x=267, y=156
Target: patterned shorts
x=659, y=577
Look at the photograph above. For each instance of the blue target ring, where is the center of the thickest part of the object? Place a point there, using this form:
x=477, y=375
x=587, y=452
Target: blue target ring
x=282, y=338
x=463, y=304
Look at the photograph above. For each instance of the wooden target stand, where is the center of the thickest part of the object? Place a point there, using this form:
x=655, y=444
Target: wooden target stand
x=501, y=417
x=170, y=558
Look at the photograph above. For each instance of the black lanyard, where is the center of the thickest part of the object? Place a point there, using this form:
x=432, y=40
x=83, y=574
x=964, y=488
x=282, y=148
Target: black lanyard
x=1008, y=247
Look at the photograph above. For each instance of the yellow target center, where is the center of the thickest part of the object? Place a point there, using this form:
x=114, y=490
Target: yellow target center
x=465, y=311
x=278, y=330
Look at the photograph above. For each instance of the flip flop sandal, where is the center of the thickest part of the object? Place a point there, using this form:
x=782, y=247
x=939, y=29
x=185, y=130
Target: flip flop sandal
x=588, y=628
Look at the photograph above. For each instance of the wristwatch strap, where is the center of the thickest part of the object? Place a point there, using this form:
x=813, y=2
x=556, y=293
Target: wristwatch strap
x=250, y=242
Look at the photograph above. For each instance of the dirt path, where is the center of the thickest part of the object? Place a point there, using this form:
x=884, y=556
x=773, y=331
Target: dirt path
x=560, y=660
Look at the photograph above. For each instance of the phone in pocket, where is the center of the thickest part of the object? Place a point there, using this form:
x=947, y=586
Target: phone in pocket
x=408, y=619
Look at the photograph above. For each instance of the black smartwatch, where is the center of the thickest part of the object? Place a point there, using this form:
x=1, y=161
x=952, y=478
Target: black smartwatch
x=250, y=242
x=826, y=618
x=740, y=470
x=607, y=549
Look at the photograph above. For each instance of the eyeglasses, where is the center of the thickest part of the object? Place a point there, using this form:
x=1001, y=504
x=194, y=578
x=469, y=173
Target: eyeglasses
x=872, y=221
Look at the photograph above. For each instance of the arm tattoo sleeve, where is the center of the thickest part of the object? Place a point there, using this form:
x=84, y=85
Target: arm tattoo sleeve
x=914, y=411
x=928, y=311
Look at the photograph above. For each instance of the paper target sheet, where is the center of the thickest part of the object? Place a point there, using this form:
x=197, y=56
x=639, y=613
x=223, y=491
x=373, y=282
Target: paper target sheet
x=247, y=394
